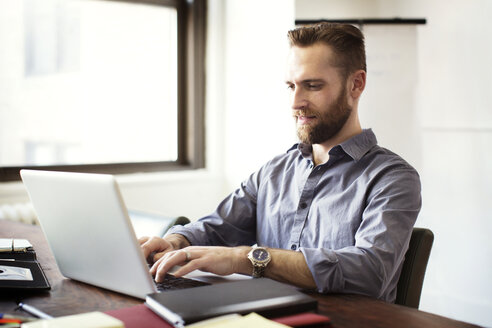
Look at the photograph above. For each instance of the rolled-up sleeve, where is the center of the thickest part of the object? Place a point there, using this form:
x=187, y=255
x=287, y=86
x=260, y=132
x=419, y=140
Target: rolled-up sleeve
x=373, y=264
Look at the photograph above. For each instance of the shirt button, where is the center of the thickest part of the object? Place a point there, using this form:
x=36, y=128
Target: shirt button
x=303, y=205
x=293, y=247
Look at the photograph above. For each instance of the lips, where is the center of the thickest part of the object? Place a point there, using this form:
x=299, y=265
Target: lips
x=305, y=119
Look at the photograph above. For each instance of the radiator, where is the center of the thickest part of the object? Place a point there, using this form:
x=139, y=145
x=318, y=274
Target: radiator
x=21, y=212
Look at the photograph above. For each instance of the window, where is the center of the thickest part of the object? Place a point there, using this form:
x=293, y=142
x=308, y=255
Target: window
x=101, y=86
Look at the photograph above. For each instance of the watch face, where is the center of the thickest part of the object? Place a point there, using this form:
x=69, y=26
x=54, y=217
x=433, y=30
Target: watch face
x=260, y=255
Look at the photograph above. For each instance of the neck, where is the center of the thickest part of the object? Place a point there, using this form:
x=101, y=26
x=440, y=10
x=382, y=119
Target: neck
x=320, y=151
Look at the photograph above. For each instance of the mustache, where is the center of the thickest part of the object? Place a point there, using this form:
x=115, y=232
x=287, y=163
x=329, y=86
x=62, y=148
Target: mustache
x=302, y=112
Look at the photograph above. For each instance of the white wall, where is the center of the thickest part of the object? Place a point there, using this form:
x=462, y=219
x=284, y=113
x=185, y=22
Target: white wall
x=454, y=138
x=258, y=122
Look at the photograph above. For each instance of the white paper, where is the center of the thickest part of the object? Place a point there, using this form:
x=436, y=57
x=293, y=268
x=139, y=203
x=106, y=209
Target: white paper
x=15, y=273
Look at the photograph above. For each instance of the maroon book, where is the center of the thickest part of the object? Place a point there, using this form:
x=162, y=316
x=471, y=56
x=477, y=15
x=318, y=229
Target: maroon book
x=141, y=316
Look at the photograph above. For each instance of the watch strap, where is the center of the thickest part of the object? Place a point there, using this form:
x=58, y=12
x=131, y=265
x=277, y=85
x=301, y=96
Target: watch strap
x=258, y=270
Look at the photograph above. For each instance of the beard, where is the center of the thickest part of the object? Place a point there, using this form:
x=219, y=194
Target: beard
x=330, y=121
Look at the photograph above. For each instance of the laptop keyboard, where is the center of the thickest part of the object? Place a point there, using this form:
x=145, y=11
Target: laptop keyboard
x=171, y=282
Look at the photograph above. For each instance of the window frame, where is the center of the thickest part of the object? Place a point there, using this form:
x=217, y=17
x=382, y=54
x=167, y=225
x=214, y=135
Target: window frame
x=191, y=101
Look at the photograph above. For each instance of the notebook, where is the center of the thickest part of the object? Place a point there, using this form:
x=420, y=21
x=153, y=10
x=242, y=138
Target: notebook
x=264, y=296
x=90, y=234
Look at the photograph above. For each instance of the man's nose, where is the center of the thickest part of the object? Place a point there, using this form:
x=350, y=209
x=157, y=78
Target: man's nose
x=298, y=99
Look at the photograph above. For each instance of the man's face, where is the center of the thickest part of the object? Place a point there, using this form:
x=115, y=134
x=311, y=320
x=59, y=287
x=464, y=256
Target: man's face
x=318, y=94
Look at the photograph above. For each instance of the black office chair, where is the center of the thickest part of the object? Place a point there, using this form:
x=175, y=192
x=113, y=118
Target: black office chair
x=412, y=275
x=159, y=223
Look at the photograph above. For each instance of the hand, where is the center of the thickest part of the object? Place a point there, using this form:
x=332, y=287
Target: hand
x=214, y=259
x=155, y=247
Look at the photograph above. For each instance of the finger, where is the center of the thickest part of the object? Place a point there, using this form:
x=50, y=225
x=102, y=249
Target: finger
x=154, y=267
x=143, y=239
x=161, y=271
x=159, y=255
x=167, y=262
x=154, y=244
x=195, y=260
x=191, y=266
x=218, y=260
x=158, y=262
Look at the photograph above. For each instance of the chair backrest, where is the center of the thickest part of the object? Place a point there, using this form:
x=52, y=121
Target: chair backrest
x=413, y=272
x=150, y=224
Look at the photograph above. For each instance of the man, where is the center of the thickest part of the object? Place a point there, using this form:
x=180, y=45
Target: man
x=334, y=213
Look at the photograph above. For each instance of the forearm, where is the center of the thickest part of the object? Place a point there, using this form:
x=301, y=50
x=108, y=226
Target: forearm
x=285, y=265
x=291, y=267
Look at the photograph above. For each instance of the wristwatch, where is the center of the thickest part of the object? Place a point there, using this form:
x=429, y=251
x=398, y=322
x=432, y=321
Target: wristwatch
x=260, y=258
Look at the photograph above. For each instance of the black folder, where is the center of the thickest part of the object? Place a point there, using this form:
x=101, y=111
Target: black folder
x=20, y=270
x=264, y=296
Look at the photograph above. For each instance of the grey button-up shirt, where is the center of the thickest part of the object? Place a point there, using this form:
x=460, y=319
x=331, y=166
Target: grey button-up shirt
x=351, y=217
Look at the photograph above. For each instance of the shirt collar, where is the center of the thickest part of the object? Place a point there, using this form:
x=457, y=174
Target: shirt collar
x=360, y=144
x=355, y=147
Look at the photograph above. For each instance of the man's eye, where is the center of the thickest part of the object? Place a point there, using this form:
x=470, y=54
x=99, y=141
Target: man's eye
x=314, y=86
x=290, y=86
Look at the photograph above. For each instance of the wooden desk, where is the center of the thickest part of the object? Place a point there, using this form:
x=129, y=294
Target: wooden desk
x=71, y=297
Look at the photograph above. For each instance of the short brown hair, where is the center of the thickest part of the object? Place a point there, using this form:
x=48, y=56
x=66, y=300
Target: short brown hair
x=347, y=41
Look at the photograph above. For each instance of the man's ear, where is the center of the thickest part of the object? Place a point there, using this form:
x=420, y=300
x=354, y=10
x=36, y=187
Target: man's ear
x=357, y=83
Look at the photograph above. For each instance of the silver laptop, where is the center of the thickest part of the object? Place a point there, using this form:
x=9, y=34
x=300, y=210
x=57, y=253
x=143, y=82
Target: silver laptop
x=89, y=231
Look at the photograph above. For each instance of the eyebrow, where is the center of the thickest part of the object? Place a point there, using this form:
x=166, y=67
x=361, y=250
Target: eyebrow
x=308, y=81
